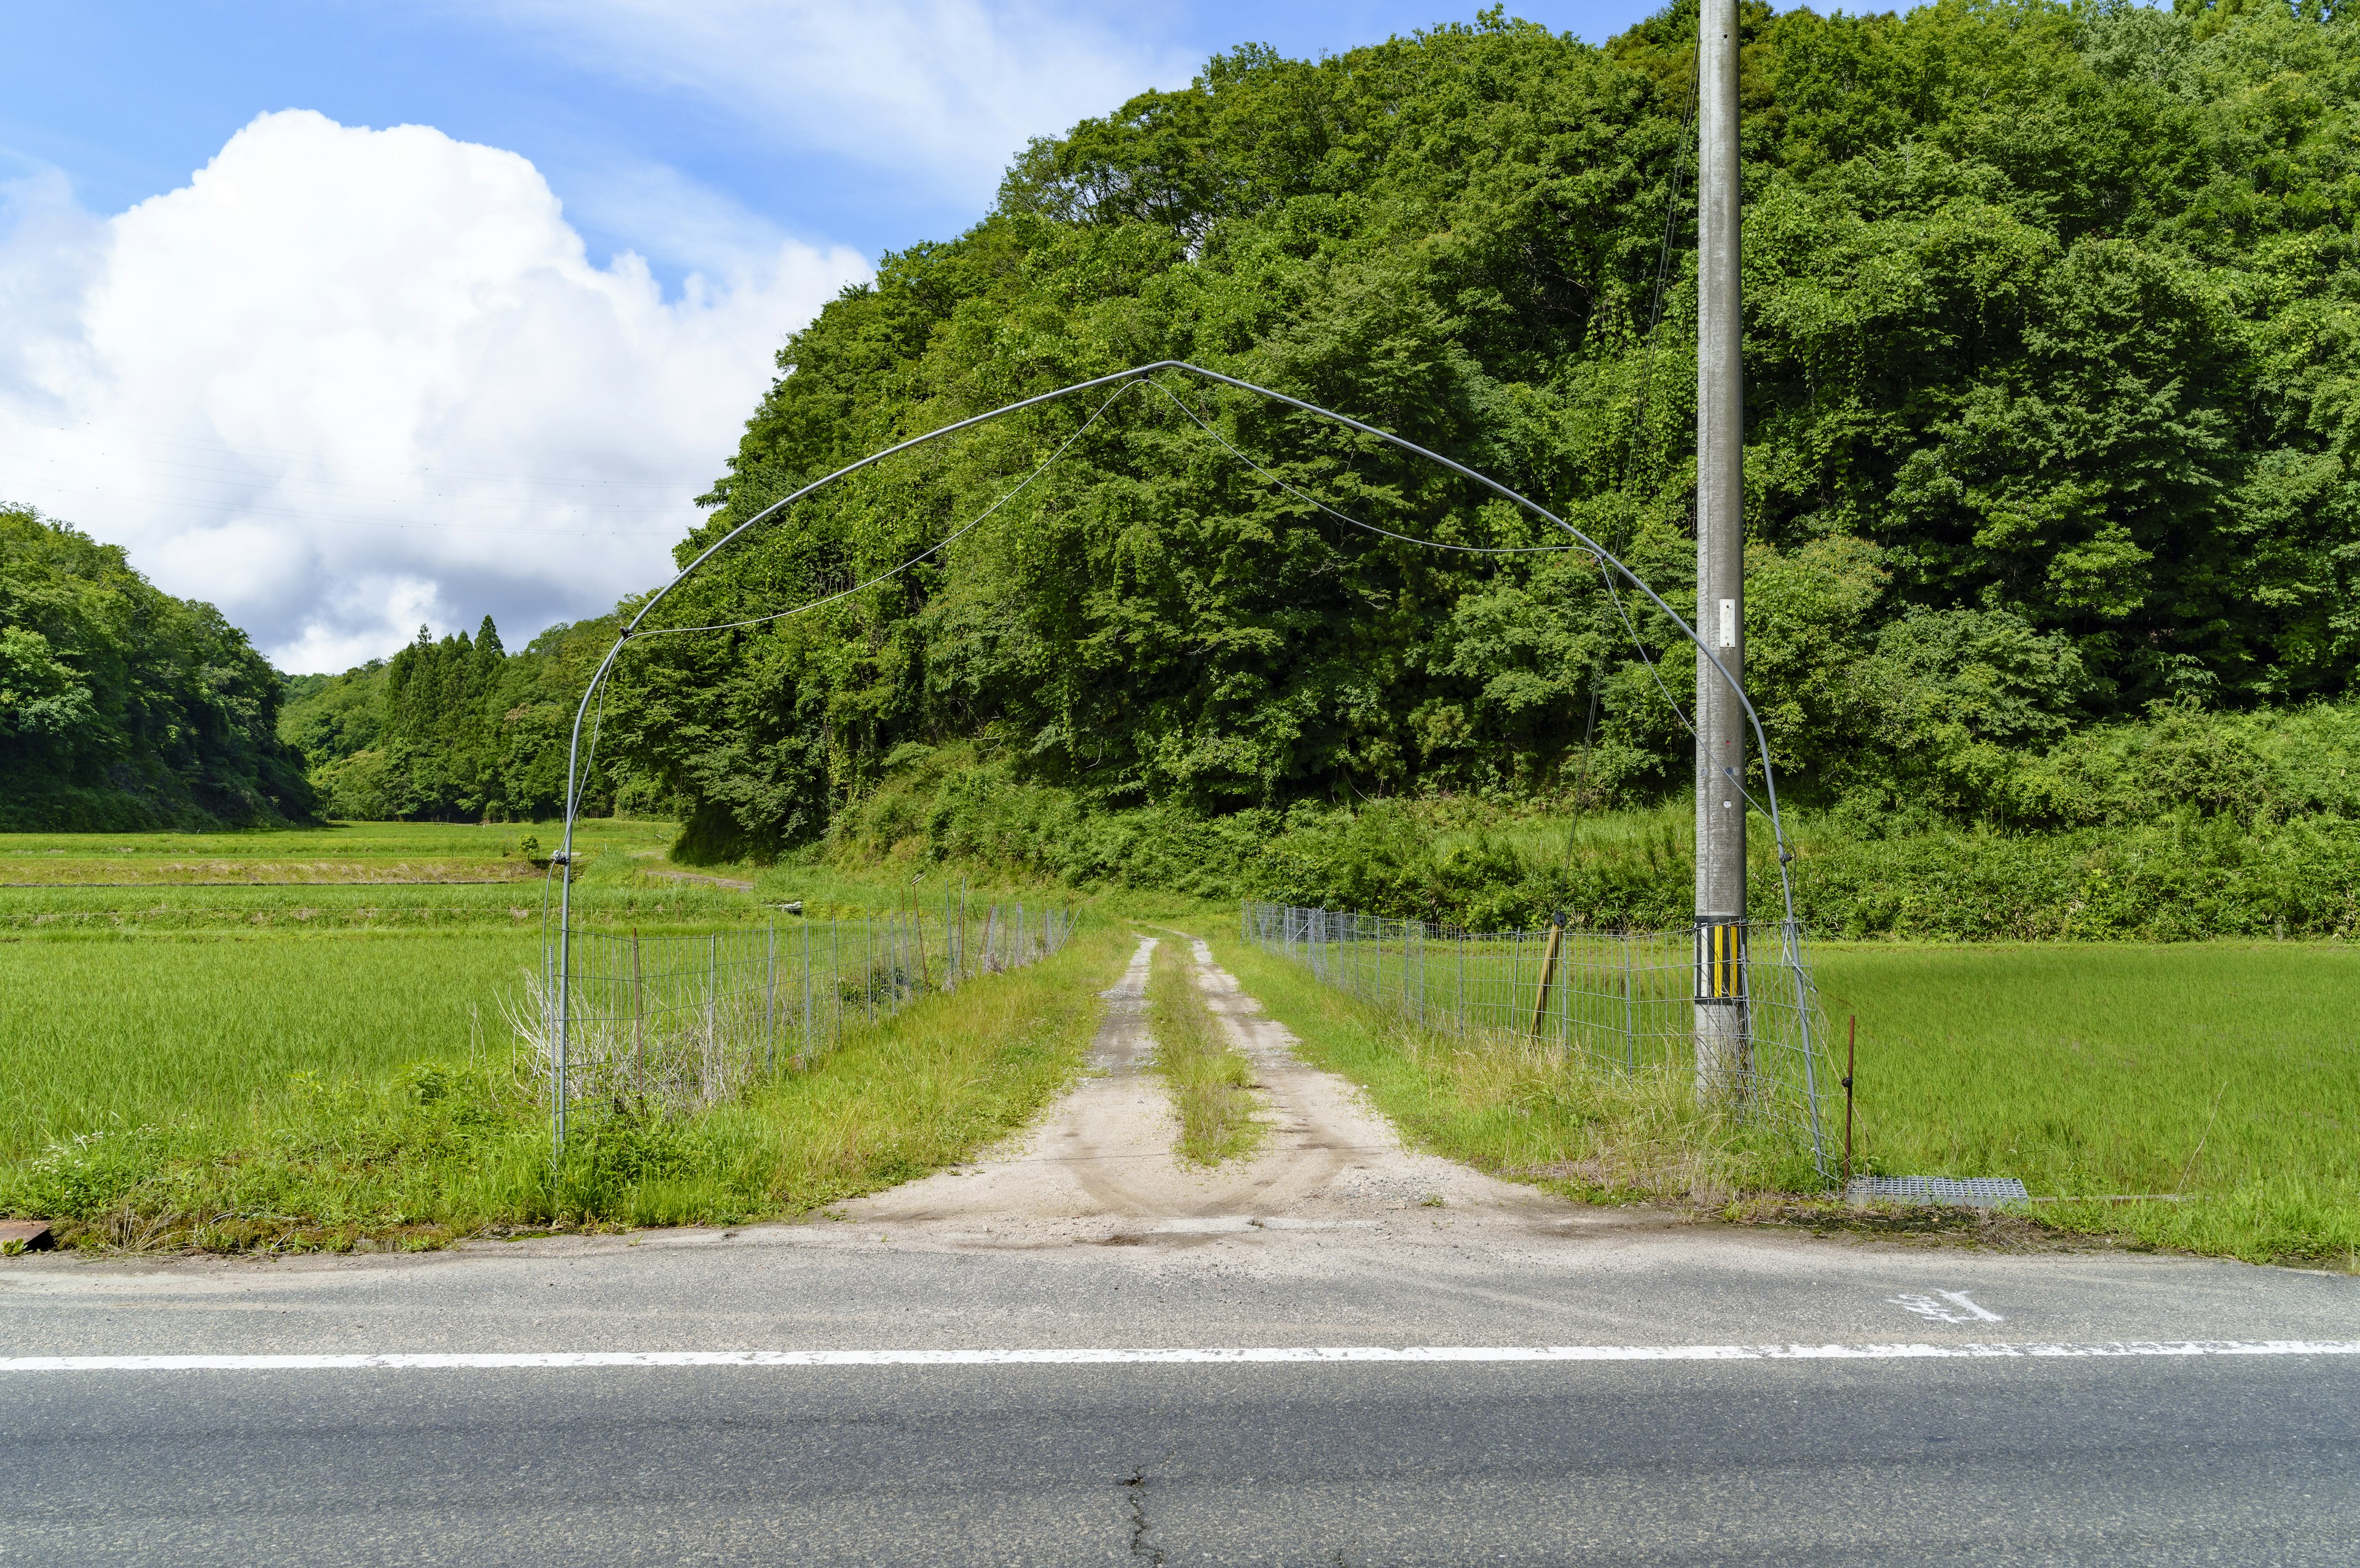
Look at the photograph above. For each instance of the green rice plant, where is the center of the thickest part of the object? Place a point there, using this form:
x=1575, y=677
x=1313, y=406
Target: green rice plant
x=107, y=1034
x=1210, y=1081
x=425, y=1150
x=22, y=854
x=371, y=876
x=2215, y=1084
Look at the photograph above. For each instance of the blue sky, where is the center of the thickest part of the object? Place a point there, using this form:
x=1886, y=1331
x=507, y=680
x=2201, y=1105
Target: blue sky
x=128, y=99
x=349, y=378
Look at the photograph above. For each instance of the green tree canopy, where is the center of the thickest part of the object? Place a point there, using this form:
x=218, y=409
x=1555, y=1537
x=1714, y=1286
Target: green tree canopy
x=2053, y=345
x=454, y=729
x=122, y=707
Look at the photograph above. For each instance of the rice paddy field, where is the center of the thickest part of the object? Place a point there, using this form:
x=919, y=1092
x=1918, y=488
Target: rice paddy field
x=305, y=1033
x=374, y=877
x=182, y=976
x=203, y=1000
x=2200, y=1095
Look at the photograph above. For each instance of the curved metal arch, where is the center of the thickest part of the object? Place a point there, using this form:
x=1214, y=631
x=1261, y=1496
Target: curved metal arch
x=1598, y=552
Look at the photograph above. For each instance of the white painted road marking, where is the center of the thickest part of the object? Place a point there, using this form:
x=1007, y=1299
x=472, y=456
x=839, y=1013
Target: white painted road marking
x=1953, y=1307
x=1087, y=1356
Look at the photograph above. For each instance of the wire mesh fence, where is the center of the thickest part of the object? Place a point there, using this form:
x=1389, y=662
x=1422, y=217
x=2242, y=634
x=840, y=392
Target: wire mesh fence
x=1705, y=1000
x=670, y=1024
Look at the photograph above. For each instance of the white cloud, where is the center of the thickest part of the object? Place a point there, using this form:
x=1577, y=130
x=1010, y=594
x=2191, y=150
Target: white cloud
x=943, y=91
x=668, y=217
x=346, y=379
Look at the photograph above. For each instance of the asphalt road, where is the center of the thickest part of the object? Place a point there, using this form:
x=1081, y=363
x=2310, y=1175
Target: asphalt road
x=2101, y=1459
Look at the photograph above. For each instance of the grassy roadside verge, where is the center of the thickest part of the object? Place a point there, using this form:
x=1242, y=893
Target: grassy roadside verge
x=1590, y=1137
x=1210, y=1082
x=2215, y=1075
x=439, y=1150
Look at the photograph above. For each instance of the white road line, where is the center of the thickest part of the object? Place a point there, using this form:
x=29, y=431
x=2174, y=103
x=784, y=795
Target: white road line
x=1090, y=1357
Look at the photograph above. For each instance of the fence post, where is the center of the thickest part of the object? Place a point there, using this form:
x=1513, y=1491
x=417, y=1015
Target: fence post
x=1630, y=1023
x=1420, y=974
x=712, y=963
x=639, y=1012
x=803, y=1040
x=1548, y=972
x=1458, y=938
x=770, y=1002
x=1565, y=1010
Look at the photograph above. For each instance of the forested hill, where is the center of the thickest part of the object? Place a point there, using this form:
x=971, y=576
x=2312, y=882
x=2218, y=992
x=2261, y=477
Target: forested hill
x=123, y=708
x=2054, y=383
x=454, y=729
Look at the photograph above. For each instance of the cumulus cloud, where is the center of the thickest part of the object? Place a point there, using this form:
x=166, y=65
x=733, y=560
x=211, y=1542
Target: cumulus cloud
x=943, y=91
x=348, y=380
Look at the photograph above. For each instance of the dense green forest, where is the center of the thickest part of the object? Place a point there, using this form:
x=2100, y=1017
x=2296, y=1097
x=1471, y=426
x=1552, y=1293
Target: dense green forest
x=122, y=707
x=455, y=729
x=2054, y=385
x=2053, y=350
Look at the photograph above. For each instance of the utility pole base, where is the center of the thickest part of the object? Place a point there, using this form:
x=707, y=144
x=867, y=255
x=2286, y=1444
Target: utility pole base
x=1724, y=1053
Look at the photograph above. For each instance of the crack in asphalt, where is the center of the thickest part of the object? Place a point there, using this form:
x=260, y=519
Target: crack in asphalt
x=1136, y=1486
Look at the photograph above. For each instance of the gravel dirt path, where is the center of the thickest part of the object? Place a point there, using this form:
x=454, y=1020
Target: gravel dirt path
x=1099, y=1165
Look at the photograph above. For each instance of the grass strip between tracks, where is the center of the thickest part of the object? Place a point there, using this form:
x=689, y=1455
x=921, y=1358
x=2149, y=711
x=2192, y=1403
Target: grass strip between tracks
x=1210, y=1081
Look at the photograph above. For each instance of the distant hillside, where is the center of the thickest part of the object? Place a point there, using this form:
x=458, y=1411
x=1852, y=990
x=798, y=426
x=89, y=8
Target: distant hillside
x=2053, y=404
x=123, y=708
x=453, y=730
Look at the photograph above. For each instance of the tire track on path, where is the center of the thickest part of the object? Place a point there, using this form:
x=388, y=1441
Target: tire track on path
x=1099, y=1165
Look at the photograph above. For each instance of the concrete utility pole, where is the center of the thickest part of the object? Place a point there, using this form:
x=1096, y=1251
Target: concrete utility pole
x=1723, y=1050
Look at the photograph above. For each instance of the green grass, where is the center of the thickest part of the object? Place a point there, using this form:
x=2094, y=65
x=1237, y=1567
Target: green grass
x=2223, y=1076
x=1210, y=1082
x=427, y=876
x=1517, y=1111
x=226, y=1042
x=363, y=875
x=115, y=1033
x=435, y=1150
x=25, y=854
x=2225, y=1073
x=295, y=1038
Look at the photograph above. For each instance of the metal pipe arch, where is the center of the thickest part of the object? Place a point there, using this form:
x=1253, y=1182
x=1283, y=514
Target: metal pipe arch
x=1598, y=552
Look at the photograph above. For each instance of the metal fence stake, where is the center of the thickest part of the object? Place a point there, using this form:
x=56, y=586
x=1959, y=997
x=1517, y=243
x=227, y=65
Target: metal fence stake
x=1852, y=1048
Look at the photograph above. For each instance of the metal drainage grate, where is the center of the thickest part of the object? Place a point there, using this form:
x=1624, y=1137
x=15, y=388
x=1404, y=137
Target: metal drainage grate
x=1976, y=1192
